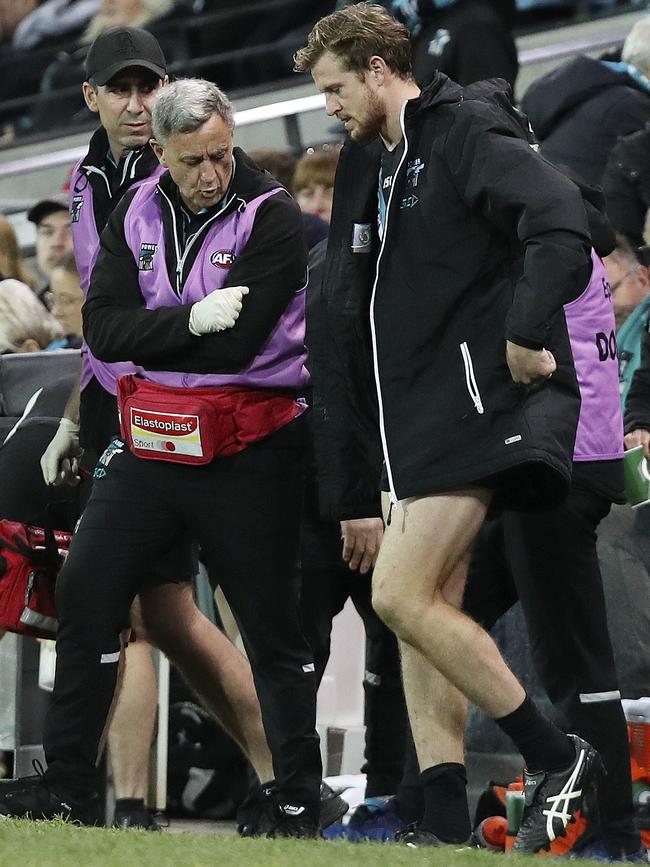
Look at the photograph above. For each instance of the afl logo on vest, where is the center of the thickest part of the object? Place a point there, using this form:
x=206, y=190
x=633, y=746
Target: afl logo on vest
x=223, y=259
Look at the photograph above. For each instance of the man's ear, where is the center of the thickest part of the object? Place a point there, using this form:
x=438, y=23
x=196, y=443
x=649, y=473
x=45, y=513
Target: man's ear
x=90, y=96
x=377, y=69
x=159, y=151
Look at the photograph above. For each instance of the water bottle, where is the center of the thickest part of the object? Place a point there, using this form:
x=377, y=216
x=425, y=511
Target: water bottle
x=515, y=803
x=637, y=714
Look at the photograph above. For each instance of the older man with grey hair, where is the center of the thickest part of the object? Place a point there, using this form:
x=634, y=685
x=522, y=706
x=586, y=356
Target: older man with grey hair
x=199, y=281
x=582, y=107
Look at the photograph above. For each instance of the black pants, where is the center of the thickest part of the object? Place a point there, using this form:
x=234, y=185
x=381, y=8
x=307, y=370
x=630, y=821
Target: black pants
x=327, y=584
x=244, y=510
x=548, y=561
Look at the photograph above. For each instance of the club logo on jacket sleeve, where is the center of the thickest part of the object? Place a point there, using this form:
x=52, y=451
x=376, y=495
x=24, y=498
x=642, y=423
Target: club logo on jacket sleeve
x=147, y=252
x=75, y=208
x=223, y=259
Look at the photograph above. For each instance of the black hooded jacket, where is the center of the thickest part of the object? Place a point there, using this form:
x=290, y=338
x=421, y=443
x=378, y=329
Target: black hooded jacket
x=580, y=109
x=486, y=241
x=626, y=183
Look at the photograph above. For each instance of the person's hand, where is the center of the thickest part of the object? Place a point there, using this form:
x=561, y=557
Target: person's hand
x=217, y=311
x=361, y=540
x=529, y=366
x=639, y=437
x=60, y=460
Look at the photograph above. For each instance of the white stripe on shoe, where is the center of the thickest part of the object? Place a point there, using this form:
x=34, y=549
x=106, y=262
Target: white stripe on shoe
x=563, y=799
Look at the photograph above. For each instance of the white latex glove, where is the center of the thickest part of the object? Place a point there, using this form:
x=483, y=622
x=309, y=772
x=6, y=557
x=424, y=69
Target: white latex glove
x=60, y=460
x=217, y=311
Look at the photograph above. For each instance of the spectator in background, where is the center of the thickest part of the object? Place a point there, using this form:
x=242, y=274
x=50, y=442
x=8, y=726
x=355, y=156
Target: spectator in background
x=626, y=183
x=54, y=20
x=12, y=263
x=313, y=185
x=580, y=109
x=630, y=287
x=12, y=12
x=280, y=162
x=628, y=281
x=126, y=13
x=53, y=237
x=282, y=165
x=468, y=40
x=25, y=324
x=313, y=181
x=66, y=299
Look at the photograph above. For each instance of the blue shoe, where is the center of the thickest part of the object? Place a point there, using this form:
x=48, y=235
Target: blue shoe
x=596, y=849
x=375, y=819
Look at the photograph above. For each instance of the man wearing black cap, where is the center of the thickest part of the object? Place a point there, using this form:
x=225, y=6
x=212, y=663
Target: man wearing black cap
x=53, y=239
x=125, y=68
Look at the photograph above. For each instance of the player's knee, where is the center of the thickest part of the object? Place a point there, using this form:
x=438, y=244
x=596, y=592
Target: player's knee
x=389, y=606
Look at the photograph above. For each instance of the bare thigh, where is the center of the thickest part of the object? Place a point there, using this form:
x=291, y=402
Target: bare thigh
x=425, y=546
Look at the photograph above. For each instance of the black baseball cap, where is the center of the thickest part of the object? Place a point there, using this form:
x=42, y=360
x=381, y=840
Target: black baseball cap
x=48, y=206
x=121, y=47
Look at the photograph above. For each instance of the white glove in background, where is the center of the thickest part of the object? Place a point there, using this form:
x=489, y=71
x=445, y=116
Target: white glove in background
x=60, y=460
x=217, y=311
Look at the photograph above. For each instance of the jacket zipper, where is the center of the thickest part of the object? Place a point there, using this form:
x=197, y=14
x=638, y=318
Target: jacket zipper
x=373, y=333
x=181, y=257
x=470, y=379
x=125, y=170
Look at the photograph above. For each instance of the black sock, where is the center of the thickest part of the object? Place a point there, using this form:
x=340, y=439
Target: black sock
x=128, y=805
x=541, y=743
x=446, y=813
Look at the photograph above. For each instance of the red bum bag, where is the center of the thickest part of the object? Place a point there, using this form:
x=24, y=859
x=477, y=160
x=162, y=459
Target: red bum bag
x=30, y=560
x=195, y=425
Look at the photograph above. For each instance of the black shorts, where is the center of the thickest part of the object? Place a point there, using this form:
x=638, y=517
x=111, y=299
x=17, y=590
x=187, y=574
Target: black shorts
x=99, y=427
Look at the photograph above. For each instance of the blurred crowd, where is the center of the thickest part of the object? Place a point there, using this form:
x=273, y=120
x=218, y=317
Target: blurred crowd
x=43, y=44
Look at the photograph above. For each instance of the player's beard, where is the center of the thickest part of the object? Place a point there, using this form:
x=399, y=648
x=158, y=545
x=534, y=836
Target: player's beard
x=369, y=126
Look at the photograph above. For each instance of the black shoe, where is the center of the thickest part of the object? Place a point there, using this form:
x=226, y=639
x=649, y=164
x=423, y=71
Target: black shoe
x=415, y=838
x=294, y=820
x=332, y=806
x=255, y=817
x=554, y=797
x=139, y=819
x=34, y=798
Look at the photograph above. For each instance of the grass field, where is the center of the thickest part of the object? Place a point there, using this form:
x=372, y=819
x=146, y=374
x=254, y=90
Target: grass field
x=55, y=844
